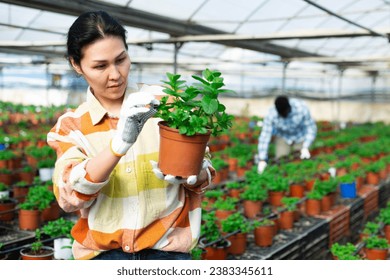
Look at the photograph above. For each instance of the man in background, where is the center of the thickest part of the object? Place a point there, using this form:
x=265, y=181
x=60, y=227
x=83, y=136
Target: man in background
x=293, y=127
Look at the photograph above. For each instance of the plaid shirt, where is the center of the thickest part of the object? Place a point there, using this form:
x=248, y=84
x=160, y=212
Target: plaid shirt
x=133, y=209
x=296, y=128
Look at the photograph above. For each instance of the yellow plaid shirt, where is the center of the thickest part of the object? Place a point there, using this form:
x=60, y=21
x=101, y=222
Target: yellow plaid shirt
x=133, y=209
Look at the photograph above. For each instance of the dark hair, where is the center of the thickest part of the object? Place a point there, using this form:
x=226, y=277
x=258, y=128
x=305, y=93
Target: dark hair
x=282, y=106
x=90, y=27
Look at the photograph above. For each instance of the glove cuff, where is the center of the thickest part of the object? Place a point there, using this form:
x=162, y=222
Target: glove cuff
x=119, y=147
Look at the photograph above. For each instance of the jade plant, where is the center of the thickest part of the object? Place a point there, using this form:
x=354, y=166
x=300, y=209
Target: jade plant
x=195, y=108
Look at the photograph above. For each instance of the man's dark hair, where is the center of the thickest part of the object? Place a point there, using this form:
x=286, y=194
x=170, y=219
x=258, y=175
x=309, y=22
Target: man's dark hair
x=282, y=106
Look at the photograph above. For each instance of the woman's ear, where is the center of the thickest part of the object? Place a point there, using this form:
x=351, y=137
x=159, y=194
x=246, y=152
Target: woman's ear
x=76, y=66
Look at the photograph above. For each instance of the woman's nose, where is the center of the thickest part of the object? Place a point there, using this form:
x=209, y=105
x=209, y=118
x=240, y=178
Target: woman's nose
x=114, y=73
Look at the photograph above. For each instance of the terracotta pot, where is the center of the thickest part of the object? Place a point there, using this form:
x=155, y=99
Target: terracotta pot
x=252, y=208
x=6, y=179
x=51, y=213
x=27, y=177
x=238, y=243
x=326, y=202
x=233, y=164
x=29, y=219
x=47, y=254
x=234, y=193
x=221, y=175
x=241, y=171
x=286, y=220
x=275, y=198
x=313, y=207
x=387, y=232
x=376, y=254
x=223, y=214
x=310, y=184
x=7, y=207
x=20, y=193
x=264, y=235
x=217, y=251
x=372, y=178
x=181, y=155
x=297, y=190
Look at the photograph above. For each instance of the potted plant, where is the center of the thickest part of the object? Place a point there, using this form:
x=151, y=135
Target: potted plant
x=46, y=168
x=376, y=248
x=20, y=190
x=370, y=228
x=253, y=198
x=7, y=204
x=36, y=250
x=347, y=186
x=344, y=252
x=237, y=227
x=60, y=230
x=264, y=232
x=4, y=191
x=286, y=220
x=38, y=200
x=313, y=202
x=221, y=167
x=197, y=253
x=384, y=217
x=190, y=114
x=225, y=207
x=277, y=188
x=6, y=176
x=211, y=238
x=234, y=188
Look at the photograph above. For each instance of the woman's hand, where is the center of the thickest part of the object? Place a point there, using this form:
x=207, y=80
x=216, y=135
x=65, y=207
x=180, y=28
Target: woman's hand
x=135, y=111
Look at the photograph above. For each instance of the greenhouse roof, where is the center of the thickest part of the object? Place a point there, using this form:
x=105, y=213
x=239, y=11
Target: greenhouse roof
x=248, y=38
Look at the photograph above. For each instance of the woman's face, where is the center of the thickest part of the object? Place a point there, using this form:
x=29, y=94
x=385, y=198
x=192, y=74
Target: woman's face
x=105, y=65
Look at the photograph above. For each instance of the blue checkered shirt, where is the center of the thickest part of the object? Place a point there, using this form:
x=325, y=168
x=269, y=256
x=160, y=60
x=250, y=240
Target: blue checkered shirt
x=296, y=128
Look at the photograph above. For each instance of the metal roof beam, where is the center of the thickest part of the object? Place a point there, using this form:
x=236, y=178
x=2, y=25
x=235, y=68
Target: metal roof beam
x=145, y=20
x=346, y=20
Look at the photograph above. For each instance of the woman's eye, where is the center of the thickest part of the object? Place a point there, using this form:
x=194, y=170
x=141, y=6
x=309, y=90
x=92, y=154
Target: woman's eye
x=100, y=66
x=120, y=60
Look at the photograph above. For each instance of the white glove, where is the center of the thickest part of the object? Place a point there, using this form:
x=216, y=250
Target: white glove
x=133, y=116
x=305, y=154
x=177, y=180
x=261, y=166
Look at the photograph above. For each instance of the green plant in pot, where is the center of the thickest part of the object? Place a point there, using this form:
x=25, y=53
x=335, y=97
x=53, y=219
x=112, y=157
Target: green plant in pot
x=236, y=223
x=190, y=114
x=376, y=248
x=60, y=230
x=370, y=228
x=37, y=250
x=290, y=203
x=344, y=251
x=211, y=238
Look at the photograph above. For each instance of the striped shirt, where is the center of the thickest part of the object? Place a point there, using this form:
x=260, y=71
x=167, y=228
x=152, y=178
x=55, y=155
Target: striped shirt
x=133, y=209
x=298, y=127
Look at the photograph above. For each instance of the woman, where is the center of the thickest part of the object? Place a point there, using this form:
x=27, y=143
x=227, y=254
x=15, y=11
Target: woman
x=104, y=149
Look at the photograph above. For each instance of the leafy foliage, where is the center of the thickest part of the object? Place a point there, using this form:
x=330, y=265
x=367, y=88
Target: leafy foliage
x=196, y=108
